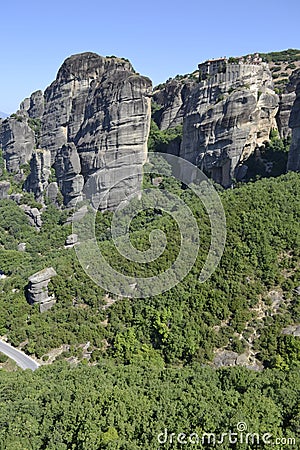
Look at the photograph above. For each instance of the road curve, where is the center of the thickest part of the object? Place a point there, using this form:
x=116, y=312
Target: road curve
x=22, y=360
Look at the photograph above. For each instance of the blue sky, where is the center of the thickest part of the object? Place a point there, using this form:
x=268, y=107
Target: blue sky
x=161, y=38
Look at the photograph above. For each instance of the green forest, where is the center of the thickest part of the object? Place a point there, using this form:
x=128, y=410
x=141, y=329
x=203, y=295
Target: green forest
x=149, y=363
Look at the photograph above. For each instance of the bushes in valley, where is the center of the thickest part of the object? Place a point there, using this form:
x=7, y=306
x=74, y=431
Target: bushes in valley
x=262, y=253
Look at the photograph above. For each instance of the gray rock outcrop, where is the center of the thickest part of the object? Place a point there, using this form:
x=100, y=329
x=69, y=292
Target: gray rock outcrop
x=117, y=125
x=71, y=240
x=286, y=102
x=94, y=113
x=17, y=140
x=52, y=192
x=22, y=247
x=293, y=330
x=171, y=102
x=68, y=173
x=40, y=171
x=227, y=358
x=97, y=110
x=34, y=106
x=4, y=189
x=38, y=289
x=33, y=214
x=294, y=123
x=227, y=117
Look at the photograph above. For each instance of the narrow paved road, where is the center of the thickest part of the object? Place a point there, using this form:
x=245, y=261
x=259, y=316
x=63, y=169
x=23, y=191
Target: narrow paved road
x=22, y=360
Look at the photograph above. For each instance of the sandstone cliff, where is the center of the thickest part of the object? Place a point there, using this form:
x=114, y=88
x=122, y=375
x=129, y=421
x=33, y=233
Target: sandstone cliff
x=294, y=123
x=228, y=114
x=96, y=111
x=171, y=101
x=287, y=98
x=17, y=140
x=227, y=117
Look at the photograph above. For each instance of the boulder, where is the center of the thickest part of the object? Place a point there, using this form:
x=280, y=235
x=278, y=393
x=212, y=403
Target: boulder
x=22, y=247
x=33, y=214
x=38, y=288
x=71, y=240
x=4, y=189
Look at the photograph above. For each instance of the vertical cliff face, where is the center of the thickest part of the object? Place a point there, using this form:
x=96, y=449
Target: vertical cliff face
x=227, y=117
x=96, y=111
x=65, y=98
x=40, y=171
x=286, y=101
x=34, y=106
x=287, y=98
x=116, y=125
x=68, y=172
x=171, y=101
x=17, y=140
x=294, y=123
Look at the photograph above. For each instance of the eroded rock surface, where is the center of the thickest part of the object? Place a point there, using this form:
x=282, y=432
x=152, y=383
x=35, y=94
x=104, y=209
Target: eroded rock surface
x=171, y=102
x=294, y=123
x=227, y=117
x=4, y=189
x=17, y=140
x=38, y=288
x=94, y=113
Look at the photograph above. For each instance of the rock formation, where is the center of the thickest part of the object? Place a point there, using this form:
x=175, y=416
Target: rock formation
x=52, y=192
x=33, y=214
x=4, y=189
x=171, y=102
x=286, y=102
x=228, y=115
x=71, y=240
x=68, y=172
x=294, y=123
x=96, y=111
x=38, y=289
x=17, y=140
x=40, y=171
x=34, y=106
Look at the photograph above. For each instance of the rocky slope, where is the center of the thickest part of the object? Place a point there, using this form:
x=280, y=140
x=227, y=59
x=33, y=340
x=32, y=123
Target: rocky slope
x=96, y=111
